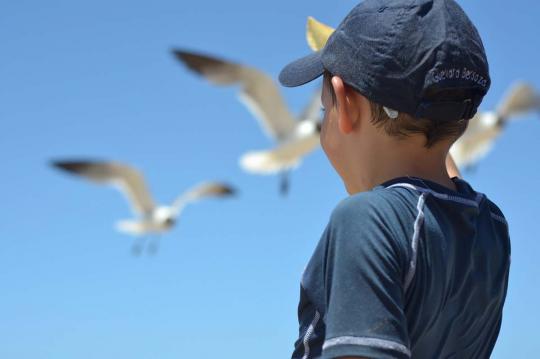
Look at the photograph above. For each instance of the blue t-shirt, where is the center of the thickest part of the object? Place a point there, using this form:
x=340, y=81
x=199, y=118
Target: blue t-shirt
x=410, y=269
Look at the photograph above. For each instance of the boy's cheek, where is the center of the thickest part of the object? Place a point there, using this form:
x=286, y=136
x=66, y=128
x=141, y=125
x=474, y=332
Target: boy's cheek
x=323, y=135
x=324, y=131
x=328, y=139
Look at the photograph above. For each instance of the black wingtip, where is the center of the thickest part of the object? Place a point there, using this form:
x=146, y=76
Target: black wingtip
x=192, y=60
x=229, y=190
x=73, y=166
x=178, y=53
x=61, y=164
x=197, y=61
x=186, y=56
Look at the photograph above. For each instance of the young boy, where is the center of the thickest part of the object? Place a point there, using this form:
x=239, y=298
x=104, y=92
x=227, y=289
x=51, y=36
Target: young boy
x=413, y=264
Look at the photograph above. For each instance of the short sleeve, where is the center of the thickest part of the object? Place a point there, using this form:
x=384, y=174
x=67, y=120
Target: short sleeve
x=363, y=281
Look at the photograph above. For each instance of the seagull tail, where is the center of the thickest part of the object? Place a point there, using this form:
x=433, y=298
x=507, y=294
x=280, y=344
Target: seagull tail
x=520, y=99
x=266, y=162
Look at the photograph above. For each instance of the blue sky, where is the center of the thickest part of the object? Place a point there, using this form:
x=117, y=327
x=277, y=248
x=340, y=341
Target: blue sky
x=97, y=80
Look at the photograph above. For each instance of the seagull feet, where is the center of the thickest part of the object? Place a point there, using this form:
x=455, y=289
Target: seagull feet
x=153, y=247
x=139, y=245
x=136, y=249
x=284, y=184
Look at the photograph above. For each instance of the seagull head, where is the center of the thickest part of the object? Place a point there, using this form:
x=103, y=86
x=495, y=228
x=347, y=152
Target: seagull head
x=306, y=128
x=491, y=119
x=164, y=216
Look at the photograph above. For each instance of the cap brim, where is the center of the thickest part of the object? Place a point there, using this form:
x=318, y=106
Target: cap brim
x=302, y=71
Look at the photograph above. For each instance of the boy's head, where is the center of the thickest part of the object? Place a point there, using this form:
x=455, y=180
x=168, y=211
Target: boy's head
x=418, y=68
x=402, y=125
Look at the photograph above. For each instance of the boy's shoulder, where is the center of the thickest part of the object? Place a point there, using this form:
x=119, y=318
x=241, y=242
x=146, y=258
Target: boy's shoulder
x=380, y=202
x=395, y=208
x=380, y=217
x=496, y=212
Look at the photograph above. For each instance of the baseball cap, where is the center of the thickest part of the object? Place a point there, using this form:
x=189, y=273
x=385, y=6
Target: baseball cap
x=411, y=56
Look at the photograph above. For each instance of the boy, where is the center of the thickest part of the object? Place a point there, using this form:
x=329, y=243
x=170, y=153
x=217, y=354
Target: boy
x=413, y=263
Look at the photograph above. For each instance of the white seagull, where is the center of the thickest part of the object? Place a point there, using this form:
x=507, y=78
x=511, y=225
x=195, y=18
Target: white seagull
x=152, y=219
x=295, y=137
x=483, y=129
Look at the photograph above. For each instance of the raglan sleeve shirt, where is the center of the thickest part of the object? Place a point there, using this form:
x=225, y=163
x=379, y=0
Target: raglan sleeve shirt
x=363, y=268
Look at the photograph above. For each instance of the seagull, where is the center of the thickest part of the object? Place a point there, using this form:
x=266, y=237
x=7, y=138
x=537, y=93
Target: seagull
x=294, y=137
x=483, y=129
x=152, y=219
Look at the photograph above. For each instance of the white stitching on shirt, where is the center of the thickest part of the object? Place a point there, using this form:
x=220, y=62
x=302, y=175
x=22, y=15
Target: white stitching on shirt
x=465, y=201
x=414, y=244
x=308, y=334
x=418, y=222
x=370, y=342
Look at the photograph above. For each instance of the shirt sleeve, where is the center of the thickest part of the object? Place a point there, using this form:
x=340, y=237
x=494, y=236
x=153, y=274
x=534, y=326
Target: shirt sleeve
x=363, y=281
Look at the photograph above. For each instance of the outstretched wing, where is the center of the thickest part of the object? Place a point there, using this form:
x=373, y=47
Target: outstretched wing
x=281, y=158
x=128, y=179
x=317, y=33
x=259, y=92
x=477, y=140
x=313, y=110
x=520, y=98
x=200, y=191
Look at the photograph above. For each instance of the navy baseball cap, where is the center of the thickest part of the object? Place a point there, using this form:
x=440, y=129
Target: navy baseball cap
x=411, y=56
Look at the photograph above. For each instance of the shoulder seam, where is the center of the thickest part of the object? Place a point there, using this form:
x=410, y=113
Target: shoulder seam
x=443, y=196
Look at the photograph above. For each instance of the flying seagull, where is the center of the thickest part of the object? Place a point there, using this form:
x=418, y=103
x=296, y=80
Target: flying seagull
x=294, y=137
x=151, y=218
x=483, y=129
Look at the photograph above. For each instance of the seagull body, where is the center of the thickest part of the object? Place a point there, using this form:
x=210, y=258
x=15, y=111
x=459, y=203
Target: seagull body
x=159, y=221
x=294, y=137
x=151, y=219
x=483, y=129
x=288, y=154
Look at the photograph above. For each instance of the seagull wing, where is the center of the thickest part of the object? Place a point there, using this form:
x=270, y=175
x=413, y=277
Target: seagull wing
x=520, y=98
x=259, y=92
x=317, y=33
x=313, y=110
x=129, y=180
x=467, y=154
x=202, y=190
x=286, y=156
x=477, y=140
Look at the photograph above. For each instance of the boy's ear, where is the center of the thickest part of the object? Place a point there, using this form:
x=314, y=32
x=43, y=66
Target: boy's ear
x=346, y=111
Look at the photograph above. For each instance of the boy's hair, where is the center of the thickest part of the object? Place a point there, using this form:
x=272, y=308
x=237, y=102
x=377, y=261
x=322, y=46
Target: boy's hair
x=405, y=125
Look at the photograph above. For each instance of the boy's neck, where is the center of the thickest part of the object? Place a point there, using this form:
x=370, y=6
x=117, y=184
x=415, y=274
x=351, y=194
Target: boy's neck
x=405, y=159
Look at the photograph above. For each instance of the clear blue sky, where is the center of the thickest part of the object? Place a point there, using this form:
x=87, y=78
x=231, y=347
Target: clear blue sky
x=96, y=79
